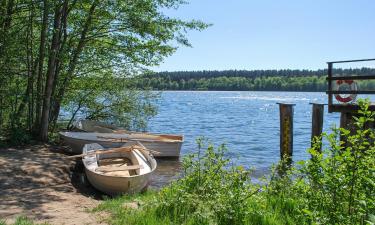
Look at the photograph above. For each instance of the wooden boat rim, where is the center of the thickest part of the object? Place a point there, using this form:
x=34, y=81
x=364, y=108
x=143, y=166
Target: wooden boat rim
x=118, y=130
x=148, y=157
x=94, y=136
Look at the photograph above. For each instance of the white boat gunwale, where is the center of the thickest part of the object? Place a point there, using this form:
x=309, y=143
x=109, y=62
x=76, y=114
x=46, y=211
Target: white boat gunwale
x=112, y=188
x=79, y=125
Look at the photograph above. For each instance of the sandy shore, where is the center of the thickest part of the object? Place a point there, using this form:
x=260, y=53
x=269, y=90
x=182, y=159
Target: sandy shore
x=39, y=182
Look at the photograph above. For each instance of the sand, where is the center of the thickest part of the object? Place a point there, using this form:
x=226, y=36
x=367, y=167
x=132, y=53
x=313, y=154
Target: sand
x=40, y=183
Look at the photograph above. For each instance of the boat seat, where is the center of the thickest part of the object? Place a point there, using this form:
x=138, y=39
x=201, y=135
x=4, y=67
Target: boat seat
x=120, y=168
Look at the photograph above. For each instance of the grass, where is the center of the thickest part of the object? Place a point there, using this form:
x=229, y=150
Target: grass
x=271, y=212
x=22, y=220
x=335, y=186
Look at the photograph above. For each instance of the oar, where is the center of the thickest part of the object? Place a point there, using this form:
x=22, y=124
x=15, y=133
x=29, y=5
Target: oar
x=111, y=150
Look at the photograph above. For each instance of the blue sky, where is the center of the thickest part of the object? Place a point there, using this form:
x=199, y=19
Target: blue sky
x=274, y=34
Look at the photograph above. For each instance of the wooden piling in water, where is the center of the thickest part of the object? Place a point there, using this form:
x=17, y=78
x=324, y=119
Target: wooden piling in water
x=317, y=122
x=286, y=131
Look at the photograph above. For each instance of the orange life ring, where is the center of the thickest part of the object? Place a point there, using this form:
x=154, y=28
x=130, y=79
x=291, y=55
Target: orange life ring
x=347, y=85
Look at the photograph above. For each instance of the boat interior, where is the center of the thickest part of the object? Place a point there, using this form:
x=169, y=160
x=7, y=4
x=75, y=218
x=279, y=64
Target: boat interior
x=100, y=127
x=121, y=164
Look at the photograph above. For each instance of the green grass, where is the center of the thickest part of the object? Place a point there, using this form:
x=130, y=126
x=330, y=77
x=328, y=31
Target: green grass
x=335, y=186
x=121, y=214
x=22, y=220
x=260, y=211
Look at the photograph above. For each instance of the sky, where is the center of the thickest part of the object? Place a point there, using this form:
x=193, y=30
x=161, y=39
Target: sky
x=274, y=34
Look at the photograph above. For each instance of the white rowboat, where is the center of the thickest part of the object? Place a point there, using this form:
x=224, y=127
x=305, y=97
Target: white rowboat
x=121, y=172
x=95, y=126
x=167, y=147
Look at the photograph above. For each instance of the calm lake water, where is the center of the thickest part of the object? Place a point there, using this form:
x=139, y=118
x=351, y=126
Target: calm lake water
x=248, y=122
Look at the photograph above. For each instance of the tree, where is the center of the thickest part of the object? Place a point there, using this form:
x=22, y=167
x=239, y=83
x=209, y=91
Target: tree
x=75, y=40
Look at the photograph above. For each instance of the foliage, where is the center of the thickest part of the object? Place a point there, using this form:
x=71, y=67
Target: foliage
x=210, y=192
x=335, y=186
x=339, y=182
x=243, y=80
x=111, y=99
x=187, y=75
x=47, y=47
x=267, y=83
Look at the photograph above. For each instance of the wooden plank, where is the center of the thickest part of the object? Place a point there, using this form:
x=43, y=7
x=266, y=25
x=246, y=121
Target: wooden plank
x=366, y=77
x=122, y=168
x=110, y=150
x=348, y=107
x=348, y=61
x=351, y=92
x=330, y=87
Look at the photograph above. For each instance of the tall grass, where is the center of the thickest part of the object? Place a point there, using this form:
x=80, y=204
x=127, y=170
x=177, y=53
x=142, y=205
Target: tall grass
x=335, y=186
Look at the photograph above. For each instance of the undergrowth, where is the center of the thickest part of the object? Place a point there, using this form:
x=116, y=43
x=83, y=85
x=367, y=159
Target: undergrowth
x=335, y=186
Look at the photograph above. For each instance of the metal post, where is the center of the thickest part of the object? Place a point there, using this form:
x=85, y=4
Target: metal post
x=317, y=122
x=286, y=131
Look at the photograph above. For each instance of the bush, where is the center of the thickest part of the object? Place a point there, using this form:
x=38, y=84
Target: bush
x=211, y=191
x=338, y=183
x=18, y=136
x=335, y=186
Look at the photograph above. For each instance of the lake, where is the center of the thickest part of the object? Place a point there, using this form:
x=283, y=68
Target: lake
x=248, y=122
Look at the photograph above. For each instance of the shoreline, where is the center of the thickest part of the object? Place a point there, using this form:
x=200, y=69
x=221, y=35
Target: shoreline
x=38, y=182
x=235, y=91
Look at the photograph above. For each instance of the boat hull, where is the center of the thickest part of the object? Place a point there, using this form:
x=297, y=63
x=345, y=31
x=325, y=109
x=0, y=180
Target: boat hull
x=115, y=185
x=165, y=149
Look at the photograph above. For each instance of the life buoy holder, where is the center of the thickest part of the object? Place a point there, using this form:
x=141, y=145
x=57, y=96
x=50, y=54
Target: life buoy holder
x=347, y=85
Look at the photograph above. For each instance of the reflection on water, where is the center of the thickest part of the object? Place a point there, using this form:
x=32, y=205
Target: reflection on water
x=166, y=171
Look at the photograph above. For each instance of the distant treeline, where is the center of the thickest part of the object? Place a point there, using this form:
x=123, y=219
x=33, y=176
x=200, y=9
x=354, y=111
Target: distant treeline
x=243, y=80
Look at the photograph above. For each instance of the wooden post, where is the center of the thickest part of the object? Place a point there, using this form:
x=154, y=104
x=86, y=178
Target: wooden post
x=330, y=86
x=286, y=131
x=317, y=122
x=346, y=122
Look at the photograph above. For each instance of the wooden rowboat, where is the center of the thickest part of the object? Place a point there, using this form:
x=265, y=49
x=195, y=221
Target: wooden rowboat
x=100, y=127
x=167, y=147
x=120, y=171
x=95, y=126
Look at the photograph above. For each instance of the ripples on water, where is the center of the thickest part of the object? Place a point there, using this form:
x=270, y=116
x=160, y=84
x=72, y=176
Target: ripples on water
x=248, y=122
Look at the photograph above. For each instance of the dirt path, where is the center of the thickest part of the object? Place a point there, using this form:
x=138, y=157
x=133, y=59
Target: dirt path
x=38, y=182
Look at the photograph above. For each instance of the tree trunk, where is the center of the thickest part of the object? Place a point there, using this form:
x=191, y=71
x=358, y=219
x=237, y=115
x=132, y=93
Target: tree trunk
x=6, y=14
x=7, y=19
x=39, y=83
x=31, y=73
x=43, y=134
x=59, y=63
x=73, y=63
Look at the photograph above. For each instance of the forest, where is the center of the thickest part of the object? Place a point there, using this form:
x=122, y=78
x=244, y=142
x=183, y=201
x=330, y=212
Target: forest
x=243, y=80
x=69, y=54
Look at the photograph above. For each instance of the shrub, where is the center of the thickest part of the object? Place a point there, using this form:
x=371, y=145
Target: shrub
x=335, y=186
x=211, y=191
